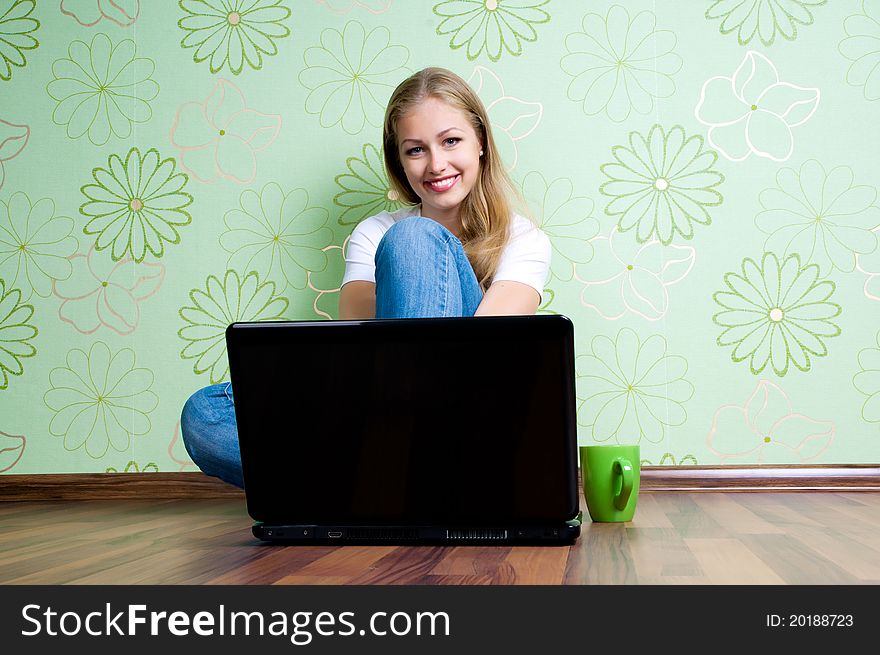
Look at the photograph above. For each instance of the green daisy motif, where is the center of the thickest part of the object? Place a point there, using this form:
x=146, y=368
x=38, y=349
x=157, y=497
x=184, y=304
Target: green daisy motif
x=490, y=26
x=547, y=299
x=662, y=185
x=867, y=381
x=630, y=390
x=16, y=333
x=778, y=313
x=566, y=219
x=102, y=88
x=100, y=400
x=232, y=32
x=214, y=308
x=762, y=19
x=820, y=215
x=277, y=235
x=134, y=467
x=365, y=188
x=136, y=205
x=668, y=459
x=16, y=30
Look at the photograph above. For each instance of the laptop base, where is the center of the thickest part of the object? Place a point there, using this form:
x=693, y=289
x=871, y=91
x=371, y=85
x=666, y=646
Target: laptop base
x=563, y=534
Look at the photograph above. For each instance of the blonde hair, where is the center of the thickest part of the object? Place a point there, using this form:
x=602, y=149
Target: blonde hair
x=485, y=213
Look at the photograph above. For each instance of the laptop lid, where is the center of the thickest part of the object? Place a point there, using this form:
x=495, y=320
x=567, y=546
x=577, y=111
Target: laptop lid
x=407, y=422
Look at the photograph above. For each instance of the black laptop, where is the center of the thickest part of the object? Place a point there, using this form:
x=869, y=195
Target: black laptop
x=441, y=430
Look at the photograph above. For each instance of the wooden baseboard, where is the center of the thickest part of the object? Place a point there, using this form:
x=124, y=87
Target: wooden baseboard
x=165, y=486
x=114, y=486
x=825, y=477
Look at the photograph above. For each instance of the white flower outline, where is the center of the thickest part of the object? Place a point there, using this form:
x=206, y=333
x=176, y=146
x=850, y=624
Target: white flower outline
x=624, y=278
x=489, y=87
x=869, y=264
x=753, y=107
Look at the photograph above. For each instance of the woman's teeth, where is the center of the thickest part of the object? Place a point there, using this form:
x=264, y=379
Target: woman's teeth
x=442, y=185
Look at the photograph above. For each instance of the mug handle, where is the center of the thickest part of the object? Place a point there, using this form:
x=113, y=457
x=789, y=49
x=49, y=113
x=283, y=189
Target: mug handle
x=623, y=467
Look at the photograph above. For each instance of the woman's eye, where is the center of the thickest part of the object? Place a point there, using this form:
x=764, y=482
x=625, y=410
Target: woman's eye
x=414, y=151
x=451, y=141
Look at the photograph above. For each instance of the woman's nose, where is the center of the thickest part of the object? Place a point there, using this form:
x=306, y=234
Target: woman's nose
x=438, y=162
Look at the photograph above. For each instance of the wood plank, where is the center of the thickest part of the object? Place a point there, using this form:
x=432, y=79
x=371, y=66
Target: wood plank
x=687, y=517
x=729, y=561
x=343, y=563
x=404, y=565
x=273, y=564
x=796, y=562
x=733, y=516
x=781, y=509
x=538, y=566
x=855, y=557
x=648, y=513
x=603, y=556
x=470, y=560
x=660, y=554
x=675, y=538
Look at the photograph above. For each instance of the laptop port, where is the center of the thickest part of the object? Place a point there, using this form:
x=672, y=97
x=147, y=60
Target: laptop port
x=334, y=535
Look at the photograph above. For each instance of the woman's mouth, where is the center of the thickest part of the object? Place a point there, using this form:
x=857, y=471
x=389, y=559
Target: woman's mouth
x=443, y=184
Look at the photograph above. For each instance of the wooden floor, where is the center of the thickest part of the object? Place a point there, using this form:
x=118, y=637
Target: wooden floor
x=675, y=538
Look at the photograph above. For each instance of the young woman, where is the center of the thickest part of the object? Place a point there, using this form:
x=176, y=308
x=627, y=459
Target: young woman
x=458, y=250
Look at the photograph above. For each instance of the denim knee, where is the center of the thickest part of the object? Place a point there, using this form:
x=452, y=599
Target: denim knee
x=199, y=420
x=191, y=418
x=414, y=235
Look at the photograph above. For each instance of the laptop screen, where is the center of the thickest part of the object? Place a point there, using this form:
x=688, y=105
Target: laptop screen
x=407, y=422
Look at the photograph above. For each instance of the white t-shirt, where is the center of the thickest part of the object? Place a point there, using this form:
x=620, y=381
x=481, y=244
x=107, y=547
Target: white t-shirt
x=525, y=259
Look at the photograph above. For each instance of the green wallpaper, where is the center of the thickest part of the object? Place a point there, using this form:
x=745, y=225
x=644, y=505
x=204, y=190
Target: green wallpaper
x=705, y=169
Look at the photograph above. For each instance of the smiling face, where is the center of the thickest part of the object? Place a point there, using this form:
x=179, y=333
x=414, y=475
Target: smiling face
x=440, y=154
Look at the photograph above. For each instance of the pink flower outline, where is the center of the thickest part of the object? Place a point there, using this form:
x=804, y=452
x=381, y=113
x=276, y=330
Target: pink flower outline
x=183, y=465
x=324, y=292
x=762, y=426
x=231, y=125
x=10, y=450
x=109, y=9
x=9, y=149
x=142, y=287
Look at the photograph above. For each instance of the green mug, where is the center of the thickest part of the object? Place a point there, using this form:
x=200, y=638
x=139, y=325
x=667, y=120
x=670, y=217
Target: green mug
x=611, y=481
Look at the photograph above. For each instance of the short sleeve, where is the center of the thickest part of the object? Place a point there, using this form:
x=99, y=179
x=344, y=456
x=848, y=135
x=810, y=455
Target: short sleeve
x=526, y=257
x=360, y=255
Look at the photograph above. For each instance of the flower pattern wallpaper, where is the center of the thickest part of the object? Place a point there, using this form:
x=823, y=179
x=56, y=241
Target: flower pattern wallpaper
x=706, y=171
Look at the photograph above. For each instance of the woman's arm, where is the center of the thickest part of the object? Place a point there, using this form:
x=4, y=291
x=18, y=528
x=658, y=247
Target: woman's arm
x=506, y=297
x=357, y=299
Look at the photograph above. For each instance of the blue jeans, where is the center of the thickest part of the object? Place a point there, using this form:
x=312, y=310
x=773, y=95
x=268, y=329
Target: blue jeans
x=421, y=271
